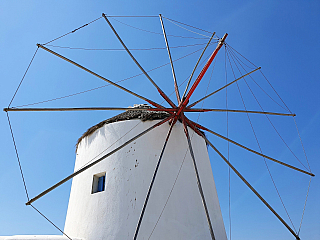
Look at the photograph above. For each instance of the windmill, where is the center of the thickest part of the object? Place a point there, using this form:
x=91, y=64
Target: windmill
x=176, y=114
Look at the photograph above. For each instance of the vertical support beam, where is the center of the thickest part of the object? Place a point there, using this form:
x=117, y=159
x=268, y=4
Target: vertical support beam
x=97, y=161
x=152, y=181
x=198, y=178
x=141, y=68
x=97, y=75
x=252, y=189
x=195, y=67
x=204, y=70
x=172, y=68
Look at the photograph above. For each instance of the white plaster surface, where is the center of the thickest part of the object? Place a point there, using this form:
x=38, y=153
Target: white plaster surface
x=114, y=213
x=36, y=237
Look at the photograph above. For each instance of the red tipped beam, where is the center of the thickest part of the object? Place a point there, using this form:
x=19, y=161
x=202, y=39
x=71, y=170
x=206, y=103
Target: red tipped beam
x=204, y=70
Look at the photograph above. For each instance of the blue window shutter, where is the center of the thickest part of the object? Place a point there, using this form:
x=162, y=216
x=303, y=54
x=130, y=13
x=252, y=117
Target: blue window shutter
x=101, y=183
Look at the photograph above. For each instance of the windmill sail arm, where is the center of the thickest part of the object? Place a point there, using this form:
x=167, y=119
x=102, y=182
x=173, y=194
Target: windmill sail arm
x=152, y=180
x=252, y=189
x=13, y=109
x=205, y=97
x=137, y=63
x=97, y=161
x=251, y=150
x=171, y=62
x=238, y=111
x=195, y=67
x=97, y=75
x=198, y=178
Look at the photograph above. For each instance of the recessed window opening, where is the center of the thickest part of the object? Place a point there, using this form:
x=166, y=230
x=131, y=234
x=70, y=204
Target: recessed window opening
x=99, y=182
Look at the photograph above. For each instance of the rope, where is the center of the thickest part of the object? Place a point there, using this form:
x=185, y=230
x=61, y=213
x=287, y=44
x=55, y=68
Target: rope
x=16, y=150
x=132, y=49
x=140, y=29
x=125, y=79
x=23, y=76
x=186, y=78
x=231, y=51
x=304, y=151
x=188, y=29
x=271, y=122
x=287, y=108
x=73, y=31
x=134, y=16
x=49, y=221
x=304, y=207
x=23, y=179
x=228, y=158
x=274, y=184
x=275, y=91
x=187, y=25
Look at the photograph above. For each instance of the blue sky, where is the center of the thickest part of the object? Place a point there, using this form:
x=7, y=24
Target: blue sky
x=280, y=36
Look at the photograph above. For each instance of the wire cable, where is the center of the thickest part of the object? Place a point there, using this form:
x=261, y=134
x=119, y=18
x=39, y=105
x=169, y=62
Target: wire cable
x=73, y=31
x=132, y=49
x=228, y=143
x=304, y=207
x=50, y=221
x=256, y=138
x=16, y=150
x=158, y=33
x=187, y=29
x=187, y=25
x=233, y=51
x=92, y=89
x=271, y=122
x=23, y=76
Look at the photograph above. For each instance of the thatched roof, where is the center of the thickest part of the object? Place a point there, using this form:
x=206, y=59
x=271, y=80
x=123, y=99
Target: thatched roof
x=143, y=115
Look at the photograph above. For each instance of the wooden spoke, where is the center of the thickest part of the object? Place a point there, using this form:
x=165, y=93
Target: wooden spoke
x=250, y=150
x=240, y=111
x=141, y=68
x=152, y=181
x=198, y=180
x=172, y=68
x=204, y=70
x=196, y=102
x=195, y=67
x=86, y=109
x=252, y=189
x=96, y=161
x=97, y=75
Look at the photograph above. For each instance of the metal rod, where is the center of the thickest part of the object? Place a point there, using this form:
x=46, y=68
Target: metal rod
x=152, y=181
x=96, y=161
x=198, y=179
x=204, y=70
x=86, y=109
x=252, y=189
x=97, y=75
x=196, y=102
x=240, y=111
x=172, y=68
x=141, y=68
x=195, y=67
x=253, y=151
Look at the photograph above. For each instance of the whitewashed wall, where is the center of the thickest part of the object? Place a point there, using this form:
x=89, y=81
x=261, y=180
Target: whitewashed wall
x=114, y=213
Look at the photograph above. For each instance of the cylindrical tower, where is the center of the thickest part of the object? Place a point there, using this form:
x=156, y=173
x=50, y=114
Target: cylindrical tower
x=106, y=200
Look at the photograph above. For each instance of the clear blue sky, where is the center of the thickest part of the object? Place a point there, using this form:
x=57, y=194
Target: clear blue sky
x=280, y=36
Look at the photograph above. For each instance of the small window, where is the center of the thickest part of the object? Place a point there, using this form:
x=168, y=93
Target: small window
x=99, y=182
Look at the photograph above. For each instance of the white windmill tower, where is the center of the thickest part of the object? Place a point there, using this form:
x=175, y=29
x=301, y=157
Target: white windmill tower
x=111, y=195
x=105, y=200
